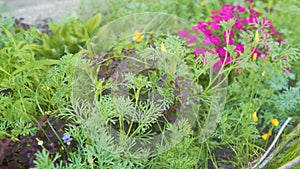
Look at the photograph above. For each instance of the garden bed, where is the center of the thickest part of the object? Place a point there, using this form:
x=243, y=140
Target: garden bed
x=158, y=84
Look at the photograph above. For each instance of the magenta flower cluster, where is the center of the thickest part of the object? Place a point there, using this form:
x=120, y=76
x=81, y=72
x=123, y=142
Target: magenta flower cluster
x=246, y=20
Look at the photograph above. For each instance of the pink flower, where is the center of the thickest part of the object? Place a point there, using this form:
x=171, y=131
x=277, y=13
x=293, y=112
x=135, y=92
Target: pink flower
x=214, y=12
x=244, y=21
x=253, y=12
x=266, y=22
x=199, y=51
x=216, y=67
x=280, y=40
x=221, y=50
x=239, y=48
x=215, y=25
x=253, y=19
x=238, y=25
x=200, y=23
x=241, y=9
x=204, y=30
x=191, y=39
x=216, y=18
x=227, y=17
x=227, y=6
x=258, y=53
x=215, y=40
x=247, y=21
x=227, y=60
x=195, y=28
x=287, y=70
x=230, y=41
x=206, y=40
x=183, y=33
x=230, y=33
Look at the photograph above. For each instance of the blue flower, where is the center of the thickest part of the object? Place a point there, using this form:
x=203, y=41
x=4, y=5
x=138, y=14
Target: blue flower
x=67, y=138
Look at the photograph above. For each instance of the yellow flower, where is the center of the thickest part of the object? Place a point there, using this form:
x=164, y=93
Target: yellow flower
x=202, y=3
x=14, y=139
x=137, y=36
x=265, y=136
x=254, y=56
x=254, y=116
x=256, y=36
x=47, y=112
x=46, y=87
x=163, y=48
x=275, y=122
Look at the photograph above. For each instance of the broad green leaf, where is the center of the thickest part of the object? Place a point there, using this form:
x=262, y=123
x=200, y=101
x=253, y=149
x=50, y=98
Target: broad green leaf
x=93, y=23
x=37, y=64
x=55, y=28
x=46, y=42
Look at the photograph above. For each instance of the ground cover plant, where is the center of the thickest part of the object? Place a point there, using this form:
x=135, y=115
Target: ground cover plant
x=153, y=84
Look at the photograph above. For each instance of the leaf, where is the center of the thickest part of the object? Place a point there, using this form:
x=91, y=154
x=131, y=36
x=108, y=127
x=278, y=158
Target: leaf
x=1, y=69
x=55, y=28
x=93, y=23
x=37, y=64
x=46, y=41
x=8, y=33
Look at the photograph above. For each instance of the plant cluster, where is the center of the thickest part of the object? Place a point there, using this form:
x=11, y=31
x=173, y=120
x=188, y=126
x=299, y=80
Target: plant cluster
x=51, y=137
x=64, y=106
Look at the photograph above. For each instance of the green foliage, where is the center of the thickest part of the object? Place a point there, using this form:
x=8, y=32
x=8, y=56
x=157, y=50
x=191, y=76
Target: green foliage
x=43, y=160
x=287, y=150
x=28, y=86
x=68, y=37
x=31, y=84
x=6, y=24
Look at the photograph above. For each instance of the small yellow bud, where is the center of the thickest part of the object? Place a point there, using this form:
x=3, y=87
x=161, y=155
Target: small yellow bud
x=274, y=122
x=270, y=132
x=254, y=116
x=265, y=136
x=14, y=139
x=48, y=112
x=40, y=142
x=46, y=87
x=202, y=3
x=256, y=36
x=254, y=56
x=163, y=48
